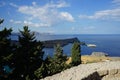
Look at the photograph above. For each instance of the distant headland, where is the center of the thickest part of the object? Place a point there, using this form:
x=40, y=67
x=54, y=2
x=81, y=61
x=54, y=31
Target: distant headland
x=62, y=42
x=52, y=43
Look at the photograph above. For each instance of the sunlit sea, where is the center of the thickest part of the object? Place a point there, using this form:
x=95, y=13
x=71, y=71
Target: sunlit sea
x=109, y=43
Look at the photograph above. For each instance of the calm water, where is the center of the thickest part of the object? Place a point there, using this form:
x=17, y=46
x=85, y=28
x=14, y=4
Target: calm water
x=105, y=43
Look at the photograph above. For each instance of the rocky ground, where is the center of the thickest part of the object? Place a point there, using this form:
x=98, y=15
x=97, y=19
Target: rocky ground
x=109, y=70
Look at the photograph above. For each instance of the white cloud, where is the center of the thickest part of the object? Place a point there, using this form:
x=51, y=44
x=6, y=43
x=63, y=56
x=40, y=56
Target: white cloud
x=47, y=14
x=109, y=14
x=29, y=23
x=34, y=3
x=113, y=14
x=59, y=4
x=66, y=16
x=15, y=22
x=62, y=4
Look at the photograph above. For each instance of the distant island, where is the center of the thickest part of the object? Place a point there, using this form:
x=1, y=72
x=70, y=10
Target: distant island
x=36, y=33
x=62, y=42
x=52, y=43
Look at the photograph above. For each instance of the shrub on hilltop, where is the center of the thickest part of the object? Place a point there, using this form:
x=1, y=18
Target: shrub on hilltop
x=75, y=55
x=58, y=62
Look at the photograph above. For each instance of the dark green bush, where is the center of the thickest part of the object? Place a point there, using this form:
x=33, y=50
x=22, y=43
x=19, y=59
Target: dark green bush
x=76, y=57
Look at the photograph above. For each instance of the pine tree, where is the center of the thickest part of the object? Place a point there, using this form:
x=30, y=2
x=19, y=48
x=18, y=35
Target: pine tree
x=6, y=51
x=57, y=63
x=76, y=57
x=5, y=44
x=58, y=51
x=40, y=72
x=29, y=54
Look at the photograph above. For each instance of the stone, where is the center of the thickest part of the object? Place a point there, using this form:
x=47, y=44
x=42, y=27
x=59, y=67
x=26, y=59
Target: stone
x=118, y=71
x=108, y=77
x=94, y=71
x=117, y=75
x=99, y=54
x=113, y=71
x=103, y=73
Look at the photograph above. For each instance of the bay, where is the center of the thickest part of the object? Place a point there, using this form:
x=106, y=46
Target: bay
x=108, y=43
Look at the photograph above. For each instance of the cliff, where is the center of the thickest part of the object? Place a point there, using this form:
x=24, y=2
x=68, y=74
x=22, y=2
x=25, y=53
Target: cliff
x=52, y=43
x=62, y=42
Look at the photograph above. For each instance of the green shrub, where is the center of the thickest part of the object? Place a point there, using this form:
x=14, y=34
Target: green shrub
x=76, y=57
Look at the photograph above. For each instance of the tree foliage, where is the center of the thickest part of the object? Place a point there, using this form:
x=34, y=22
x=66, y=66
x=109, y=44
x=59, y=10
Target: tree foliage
x=5, y=47
x=6, y=50
x=58, y=52
x=25, y=59
x=76, y=57
x=40, y=72
x=57, y=63
x=29, y=53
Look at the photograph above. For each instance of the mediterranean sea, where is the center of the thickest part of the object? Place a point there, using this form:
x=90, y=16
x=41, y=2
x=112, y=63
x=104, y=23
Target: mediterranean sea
x=107, y=43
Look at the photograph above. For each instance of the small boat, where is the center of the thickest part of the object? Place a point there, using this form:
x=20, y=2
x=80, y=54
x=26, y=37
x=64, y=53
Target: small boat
x=91, y=45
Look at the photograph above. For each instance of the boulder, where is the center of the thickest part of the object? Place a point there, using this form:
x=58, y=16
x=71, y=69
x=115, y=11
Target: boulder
x=99, y=54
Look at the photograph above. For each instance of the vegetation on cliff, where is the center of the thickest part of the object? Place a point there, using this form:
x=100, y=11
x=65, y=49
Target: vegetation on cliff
x=75, y=55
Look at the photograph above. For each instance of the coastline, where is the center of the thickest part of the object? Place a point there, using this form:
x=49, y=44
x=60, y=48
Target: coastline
x=94, y=59
x=103, y=42
x=52, y=43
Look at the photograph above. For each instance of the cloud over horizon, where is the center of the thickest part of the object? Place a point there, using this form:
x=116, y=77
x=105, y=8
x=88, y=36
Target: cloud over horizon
x=108, y=14
x=47, y=15
x=113, y=14
x=63, y=16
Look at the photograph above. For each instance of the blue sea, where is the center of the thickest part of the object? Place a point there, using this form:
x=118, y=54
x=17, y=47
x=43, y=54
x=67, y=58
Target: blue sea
x=107, y=43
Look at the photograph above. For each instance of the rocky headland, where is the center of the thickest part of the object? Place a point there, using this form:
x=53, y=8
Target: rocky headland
x=62, y=42
x=52, y=43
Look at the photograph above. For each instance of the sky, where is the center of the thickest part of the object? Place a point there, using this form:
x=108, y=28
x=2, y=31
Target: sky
x=62, y=16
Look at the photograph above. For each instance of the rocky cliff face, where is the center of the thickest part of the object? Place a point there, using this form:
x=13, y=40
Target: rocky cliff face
x=93, y=71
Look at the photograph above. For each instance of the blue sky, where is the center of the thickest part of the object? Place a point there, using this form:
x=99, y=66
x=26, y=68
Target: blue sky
x=62, y=16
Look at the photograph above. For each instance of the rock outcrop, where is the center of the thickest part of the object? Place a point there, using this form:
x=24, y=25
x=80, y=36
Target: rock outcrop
x=62, y=42
x=52, y=43
x=93, y=71
x=99, y=54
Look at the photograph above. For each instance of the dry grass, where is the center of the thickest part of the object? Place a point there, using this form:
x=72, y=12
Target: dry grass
x=90, y=59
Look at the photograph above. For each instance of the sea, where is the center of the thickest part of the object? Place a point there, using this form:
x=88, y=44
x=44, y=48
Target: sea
x=107, y=43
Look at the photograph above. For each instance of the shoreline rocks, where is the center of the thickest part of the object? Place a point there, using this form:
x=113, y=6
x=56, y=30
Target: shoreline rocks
x=99, y=54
